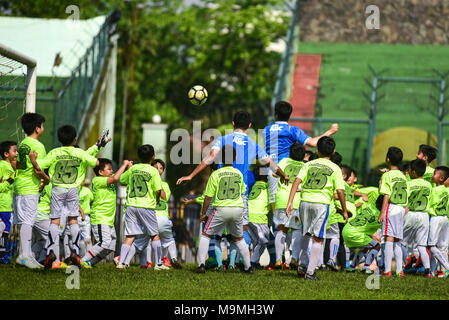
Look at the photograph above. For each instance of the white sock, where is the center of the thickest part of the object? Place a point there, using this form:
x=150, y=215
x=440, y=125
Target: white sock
x=203, y=247
x=388, y=255
x=92, y=253
x=75, y=233
x=244, y=253
x=333, y=248
x=2, y=227
x=314, y=256
x=258, y=251
x=320, y=261
x=164, y=252
x=53, y=240
x=26, y=233
x=156, y=246
x=172, y=251
x=124, y=252
x=424, y=257
x=149, y=252
x=279, y=242
x=129, y=255
x=398, y=256
x=304, y=251
x=296, y=244
x=439, y=256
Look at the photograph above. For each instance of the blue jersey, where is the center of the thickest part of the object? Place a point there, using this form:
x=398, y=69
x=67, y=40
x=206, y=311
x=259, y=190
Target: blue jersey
x=279, y=136
x=247, y=151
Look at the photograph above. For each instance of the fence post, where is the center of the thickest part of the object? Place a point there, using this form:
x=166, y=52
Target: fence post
x=440, y=121
x=372, y=128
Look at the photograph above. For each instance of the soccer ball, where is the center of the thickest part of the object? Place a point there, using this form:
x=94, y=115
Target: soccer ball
x=198, y=95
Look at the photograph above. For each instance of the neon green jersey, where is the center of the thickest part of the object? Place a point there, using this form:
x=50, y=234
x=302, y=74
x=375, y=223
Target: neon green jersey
x=67, y=166
x=104, y=204
x=362, y=224
x=333, y=216
x=6, y=189
x=143, y=181
x=162, y=208
x=26, y=181
x=350, y=203
x=43, y=208
x=428, y=174
x=291, y=168
x=439, y=201
x=258, y=203
x=227, y=185
x=93, y=151
x=394, y=184
x=420, y=191
x=85, y=198
x=320, y=180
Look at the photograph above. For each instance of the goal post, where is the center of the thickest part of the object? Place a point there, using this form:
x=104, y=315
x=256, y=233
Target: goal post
x=30, y=100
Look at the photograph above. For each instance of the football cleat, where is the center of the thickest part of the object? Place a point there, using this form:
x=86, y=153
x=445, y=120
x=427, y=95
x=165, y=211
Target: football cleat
x=116, y=260
x=311, y=276
x=75, y=259
x=256, y=266
x=201, y=269
x=410, y=261
x=58, y=265
x=27, y=262
x=278, y=265
x=175, y=264
x=161, y=267
x=121, y=266
x=48, y=263
x=39, y=266
x=332, y=265
x=387, y=274
x=428, y=273
x=166, y=262
x=86, y=265
x=400, y=274
x=293, y=264
x=301, y=270
x=445, y=274
x=249, y=270
x=270, y=267
x=285, y=266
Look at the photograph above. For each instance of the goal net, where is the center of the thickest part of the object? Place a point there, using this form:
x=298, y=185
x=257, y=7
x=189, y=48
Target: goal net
x=17, y=91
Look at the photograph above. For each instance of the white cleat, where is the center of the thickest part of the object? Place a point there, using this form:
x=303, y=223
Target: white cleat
x=38, y=265
x=121, y=266
x=116, y=260
x=161, y=267
x=27, y=262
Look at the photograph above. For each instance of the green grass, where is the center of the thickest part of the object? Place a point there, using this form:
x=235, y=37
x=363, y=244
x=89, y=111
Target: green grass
x=344, y=70
x=105, y=282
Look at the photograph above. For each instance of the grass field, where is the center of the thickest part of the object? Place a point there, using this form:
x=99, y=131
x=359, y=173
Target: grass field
x=105, y=282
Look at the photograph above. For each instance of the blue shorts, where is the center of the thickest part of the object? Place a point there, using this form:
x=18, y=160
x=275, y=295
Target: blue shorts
x=6, y=218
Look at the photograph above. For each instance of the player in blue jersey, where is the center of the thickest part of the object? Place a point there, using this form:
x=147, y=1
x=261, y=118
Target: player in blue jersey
x=247, y=152
x=279, y=136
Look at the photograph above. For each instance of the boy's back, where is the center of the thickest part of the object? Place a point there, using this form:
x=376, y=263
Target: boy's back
x=291, y=168
x=6, y=189
x=258, y=205
x=26, y=181
x=227, y=185
x=142, y=180
x=420, y=192
x=395, y=185
x=104, y=204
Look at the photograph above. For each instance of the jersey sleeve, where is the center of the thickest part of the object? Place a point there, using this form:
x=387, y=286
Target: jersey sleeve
x=124, y=178
x=299, y=135
x=211, y=187
x=385, y=185
x=156, y=183
x=91, y=160
x=46, y=161
x=93, y=151
x=200, y=199
x=100, y=182
x=339, y=183
x=167, y=190
x=302, y=173
x=219, y=143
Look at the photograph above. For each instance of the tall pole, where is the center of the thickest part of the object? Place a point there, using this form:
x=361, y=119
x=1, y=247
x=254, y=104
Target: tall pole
x=440, y=121
x=372, y=128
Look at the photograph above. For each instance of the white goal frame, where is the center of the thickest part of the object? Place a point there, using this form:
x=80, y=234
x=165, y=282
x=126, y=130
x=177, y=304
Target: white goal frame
x=30, y=101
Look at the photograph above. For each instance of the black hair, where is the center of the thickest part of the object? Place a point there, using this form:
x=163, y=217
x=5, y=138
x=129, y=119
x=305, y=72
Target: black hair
x=31, y=121
x=241, y=120
x=159, y=161
x=326, y=145
x=283, y=110
x=379, y=201
x=346, y=170
x=395, y=155
x=145, y=153
x=66, y=134
x=336, y=158
x=5, y=146
x=213, y=166
x=418, y=166
x=445, y=171
x=404, y=166
x=297, y=151
x=224, y=155
x=430, y=152
x=312, y=155
x=260, y=174
x=102, y=165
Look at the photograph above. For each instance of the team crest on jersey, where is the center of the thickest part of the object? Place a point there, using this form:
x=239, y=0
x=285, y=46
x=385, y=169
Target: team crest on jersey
x=239, y=140
x=276, y=127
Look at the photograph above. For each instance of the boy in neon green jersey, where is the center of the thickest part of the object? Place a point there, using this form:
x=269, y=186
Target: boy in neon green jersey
x=103, y=211
x=439, y=225
x=291, y=166
x=143, y=196
x=42, y=224
x=416, y=220
x=395, y=190
x=67, y=166
x=259, y=206
x=86, y=197
x=227, y=186
x=26, y=186
x=8, y=152
x=428, y=154
x=321, y=179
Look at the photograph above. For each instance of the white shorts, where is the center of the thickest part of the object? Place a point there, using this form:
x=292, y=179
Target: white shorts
x=141, y=242
x=272, y=186
x=439, y=232
x=245, y=210
x=25, y=208
x=259, y=232
x=314, y=218
x=333, y=232
x=84, y=227
x=292, y=221
x=105, y=236
x=40, y=229
x=64, y=201
x=165, y=226
x=416, y=229
x=140, y=221
x=230, y=218
x=393, y=223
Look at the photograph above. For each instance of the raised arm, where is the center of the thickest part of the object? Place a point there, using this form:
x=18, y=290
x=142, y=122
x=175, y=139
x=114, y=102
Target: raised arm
x=275, y=168
x=341, y=196
x=295, y=185
x=204, y=163
x=120, y=171
x=312, y=142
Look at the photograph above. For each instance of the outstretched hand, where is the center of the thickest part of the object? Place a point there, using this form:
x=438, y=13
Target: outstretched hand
x=182, y=179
